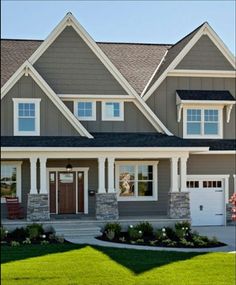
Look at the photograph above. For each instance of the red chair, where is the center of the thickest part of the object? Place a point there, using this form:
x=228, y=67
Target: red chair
x=15, y=211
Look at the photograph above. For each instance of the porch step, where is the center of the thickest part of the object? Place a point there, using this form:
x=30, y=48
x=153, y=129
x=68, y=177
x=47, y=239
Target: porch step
x=75, y=231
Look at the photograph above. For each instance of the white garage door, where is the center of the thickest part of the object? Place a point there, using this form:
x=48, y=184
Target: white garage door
x=207, y=204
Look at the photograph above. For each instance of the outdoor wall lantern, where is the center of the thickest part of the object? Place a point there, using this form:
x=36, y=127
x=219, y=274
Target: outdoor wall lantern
x=68, y=166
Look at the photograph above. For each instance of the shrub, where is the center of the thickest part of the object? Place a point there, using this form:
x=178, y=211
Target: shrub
x=3, y=233
x=110, y=234
x=114, y=227
x=60, y=239
x=185, y=225
x=34, y=231
x=44, y=242
x=145, y=227
x=134, y=234
x=122, y=239
x=18, y=234
x=197, y=240
x=169, y=242
x=186, y=243
x=165, y=233
x=15, y=243
x=27, y=241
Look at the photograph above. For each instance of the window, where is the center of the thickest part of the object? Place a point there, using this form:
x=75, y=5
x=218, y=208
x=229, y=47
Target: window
x=85, y=110
x=10, y=180
x=112, y=111
x=136, y=181
x=26, y=117
x=204, y=122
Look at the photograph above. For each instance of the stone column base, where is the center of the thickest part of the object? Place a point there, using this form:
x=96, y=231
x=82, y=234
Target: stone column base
x=179, y=205
x=38, y=207
x=106, y=206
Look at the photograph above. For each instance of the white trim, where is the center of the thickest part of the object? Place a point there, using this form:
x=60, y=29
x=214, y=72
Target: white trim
x=101, y=175
x=234, y=183
x=18, y=178
x=204, y=30
x=34, y=101
x=154, y=73
x=202, y=73
x=154, y=164
x=218, y=152
x=76, y=170
x=121, y=111
x=66, y=97
x=202, y=135
x=94, y=109
x=48, y=91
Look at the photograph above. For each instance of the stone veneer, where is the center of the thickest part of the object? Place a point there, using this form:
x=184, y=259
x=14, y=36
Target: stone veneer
x=179, y=205
x=38, y=207
x=106, y=206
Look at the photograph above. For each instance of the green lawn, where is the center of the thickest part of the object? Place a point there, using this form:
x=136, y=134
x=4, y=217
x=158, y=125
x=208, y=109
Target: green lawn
x=87, y=265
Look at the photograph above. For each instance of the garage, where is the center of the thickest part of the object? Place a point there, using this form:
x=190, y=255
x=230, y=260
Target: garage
x=207, y=199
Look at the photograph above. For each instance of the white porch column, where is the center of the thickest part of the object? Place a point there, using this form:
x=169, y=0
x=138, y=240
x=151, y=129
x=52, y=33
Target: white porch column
x=174, y=174
x=111, y=188
x=101, y=175
x=43, y=175
x=33, y=175
x=183, y=173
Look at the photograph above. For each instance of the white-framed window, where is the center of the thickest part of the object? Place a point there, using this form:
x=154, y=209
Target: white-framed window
x=26, y=117
x=10, y=179
x=85, y=110
x=202, y=122
x=112, y=111
x=136, y=180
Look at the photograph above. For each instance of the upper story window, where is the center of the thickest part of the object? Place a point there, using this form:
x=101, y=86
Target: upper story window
x=112, y=111
x=26, y=117
x=202, y=122
x=85, y=110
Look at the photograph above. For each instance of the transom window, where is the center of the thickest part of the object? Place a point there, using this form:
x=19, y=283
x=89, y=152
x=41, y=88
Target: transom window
x=136, y=181
x=204, y=122
x=112, y=111
x=10, y=180
x=26, y=116
x=85, y=110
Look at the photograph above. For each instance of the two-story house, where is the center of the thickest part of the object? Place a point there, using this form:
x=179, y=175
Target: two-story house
x=109, y=130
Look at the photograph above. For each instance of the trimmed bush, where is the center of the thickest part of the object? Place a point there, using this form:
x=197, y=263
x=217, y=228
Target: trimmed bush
x=3, y=233
x=19, y=234
x=185, y=225
x=110, y=234
x=34, y=231
x=134, y=234
x=116, y=227
x=145, y=227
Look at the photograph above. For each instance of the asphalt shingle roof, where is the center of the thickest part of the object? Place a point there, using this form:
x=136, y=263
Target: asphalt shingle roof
x=218, y=95
x=117, y=140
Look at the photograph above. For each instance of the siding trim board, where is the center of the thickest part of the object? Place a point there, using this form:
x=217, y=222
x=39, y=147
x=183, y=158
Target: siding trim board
x=202, y=73
x=204, y=30
x=27, y=69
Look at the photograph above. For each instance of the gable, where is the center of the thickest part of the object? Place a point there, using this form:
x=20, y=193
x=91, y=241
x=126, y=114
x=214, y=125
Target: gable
x=204, y=55
x=52, y=121
x=70, y=67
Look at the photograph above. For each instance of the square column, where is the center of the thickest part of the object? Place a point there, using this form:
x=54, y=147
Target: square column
x=174, y=174
x=111, y=188
x=33, y=175
x=43, y=175
x=101, y=175
x=183, y=174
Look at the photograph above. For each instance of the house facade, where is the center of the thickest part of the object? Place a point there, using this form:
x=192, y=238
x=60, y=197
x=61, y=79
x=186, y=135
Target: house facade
x=110, y=130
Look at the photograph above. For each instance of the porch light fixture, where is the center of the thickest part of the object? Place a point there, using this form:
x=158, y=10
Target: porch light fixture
x=68, y=166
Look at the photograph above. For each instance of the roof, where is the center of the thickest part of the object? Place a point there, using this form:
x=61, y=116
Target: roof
x=216, y=95
x=135, y=61
x=117, y=140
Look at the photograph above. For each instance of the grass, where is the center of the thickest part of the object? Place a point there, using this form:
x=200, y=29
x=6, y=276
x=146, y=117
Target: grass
x=68, y=264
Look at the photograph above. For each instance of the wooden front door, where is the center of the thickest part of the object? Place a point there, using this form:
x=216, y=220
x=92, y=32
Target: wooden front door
x=66, y=193
x=52, y=191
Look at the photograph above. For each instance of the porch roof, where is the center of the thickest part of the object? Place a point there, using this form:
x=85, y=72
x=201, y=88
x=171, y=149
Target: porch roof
x=117, y=140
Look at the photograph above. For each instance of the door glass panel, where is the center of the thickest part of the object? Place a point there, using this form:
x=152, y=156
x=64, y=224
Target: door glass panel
x=52, y=177
x=66, y=177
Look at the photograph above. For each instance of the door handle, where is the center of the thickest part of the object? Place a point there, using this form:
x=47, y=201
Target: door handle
x=201, y=207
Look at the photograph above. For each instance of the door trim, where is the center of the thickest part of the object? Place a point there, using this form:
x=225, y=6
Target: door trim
x=75, y=169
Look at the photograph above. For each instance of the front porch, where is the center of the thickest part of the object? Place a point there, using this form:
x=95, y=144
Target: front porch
x=97, y=197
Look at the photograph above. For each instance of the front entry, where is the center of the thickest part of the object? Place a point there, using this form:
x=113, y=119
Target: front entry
x=66, y=191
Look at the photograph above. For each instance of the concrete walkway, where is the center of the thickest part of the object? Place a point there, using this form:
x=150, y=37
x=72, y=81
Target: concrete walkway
x=223, y=234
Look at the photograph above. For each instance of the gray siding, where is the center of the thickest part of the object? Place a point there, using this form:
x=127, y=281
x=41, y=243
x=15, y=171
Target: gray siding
x=70, y=67
x=213, y=164
x=146, y=208
x=25, y=188
x=134, y=120
x=163, y=100
x=52, y=121
x=206, y=56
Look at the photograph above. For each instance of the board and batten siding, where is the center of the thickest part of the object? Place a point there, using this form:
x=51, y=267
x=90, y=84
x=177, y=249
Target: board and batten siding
x=163, y=101
x=210, y=164
x=52, y=121
x=134, y=120
x=70, y=67
x=204, y=55
x=151, y=208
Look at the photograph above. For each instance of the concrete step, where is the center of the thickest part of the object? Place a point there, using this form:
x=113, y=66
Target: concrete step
x=69, y=231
